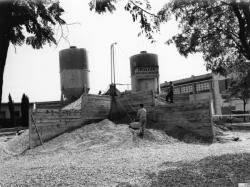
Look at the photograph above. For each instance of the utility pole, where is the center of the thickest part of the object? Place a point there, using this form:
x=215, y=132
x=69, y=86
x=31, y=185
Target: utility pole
x=112, y=55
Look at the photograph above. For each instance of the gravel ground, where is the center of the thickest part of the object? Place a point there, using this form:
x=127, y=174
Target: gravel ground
x=103, y=154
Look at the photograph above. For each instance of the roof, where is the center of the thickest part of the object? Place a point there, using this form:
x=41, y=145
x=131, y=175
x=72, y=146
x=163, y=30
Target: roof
x=191, y=79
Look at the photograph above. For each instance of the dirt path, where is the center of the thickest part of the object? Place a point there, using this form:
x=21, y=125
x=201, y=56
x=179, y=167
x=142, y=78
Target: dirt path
x=82, y=161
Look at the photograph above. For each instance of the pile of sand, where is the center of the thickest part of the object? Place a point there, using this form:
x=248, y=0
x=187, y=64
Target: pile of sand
x=14, y=146
x=76, y=105
x=18, y=144
x=3, y=153
x=104, y=134
x=160, y=101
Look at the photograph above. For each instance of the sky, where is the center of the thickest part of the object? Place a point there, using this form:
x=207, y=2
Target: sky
x=36, y=72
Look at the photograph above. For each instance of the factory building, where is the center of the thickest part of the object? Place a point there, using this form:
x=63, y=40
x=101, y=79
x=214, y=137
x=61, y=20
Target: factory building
x=207, y=86
x=144, y=72
x=74, y=73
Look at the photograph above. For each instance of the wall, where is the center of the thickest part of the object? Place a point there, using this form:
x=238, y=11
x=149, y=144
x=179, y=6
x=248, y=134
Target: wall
x=124, y=107
x=50, y=123
x=95, y=108
x=180, y=119
x=200, y=96
x=217, y=96
x=53, y=122
x=131, y=101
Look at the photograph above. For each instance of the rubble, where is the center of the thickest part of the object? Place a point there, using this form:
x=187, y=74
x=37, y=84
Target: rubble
x=18, y=144
x=76, y=105
x=105, y=134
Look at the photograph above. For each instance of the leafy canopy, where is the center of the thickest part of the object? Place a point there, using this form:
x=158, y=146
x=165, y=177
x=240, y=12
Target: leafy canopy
x=219, y=29
x=37, y=17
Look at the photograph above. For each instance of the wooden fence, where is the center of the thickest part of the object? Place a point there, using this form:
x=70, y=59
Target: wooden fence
x=46, y=124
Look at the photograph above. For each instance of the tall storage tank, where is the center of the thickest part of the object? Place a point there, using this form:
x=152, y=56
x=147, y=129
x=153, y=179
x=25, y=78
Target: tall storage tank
x=74, y=72
x=144, y=72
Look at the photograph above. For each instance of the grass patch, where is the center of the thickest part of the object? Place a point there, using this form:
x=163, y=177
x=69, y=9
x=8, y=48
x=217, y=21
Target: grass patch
x=225, y=170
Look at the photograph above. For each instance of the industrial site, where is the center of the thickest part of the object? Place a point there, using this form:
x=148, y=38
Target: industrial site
x=128, y=93
x=93, y=140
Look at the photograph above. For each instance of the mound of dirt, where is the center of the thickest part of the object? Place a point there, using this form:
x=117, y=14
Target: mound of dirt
x=76, y=105
x=160, y=101
x=18, y=144
x=104, y=134
x=3, y=153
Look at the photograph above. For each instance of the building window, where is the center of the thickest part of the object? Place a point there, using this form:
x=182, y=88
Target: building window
x=202, y=87
x=177, y=91
x=187, y=89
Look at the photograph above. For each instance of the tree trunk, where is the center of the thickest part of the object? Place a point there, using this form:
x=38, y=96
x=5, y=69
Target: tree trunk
x=5, y=28
x=244, y=109
x=4, y=45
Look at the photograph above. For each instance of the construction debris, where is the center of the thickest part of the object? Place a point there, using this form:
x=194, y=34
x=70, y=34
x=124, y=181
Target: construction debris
x=105, y=134
x=76, y=105
x=18, y=144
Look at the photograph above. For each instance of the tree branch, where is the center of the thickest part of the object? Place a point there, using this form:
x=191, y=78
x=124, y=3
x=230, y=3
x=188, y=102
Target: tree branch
x=242, y=34
x=151, y=14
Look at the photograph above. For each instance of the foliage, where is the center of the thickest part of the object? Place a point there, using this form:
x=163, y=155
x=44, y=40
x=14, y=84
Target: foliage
x=27, y=21
x=11, y=109
x=25, y=110
x=37, y=18
x=219, y=29
x=240, y=85
x=139, y=10
x=101, y=6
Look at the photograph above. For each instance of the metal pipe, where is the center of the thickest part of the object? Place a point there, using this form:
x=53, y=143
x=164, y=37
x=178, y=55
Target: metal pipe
x=112, y=54
x=114, y=62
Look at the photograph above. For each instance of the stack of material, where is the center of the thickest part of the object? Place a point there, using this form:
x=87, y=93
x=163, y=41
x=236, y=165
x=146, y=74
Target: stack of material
x=19, y=143
x=104, y=134
x=76, y=105
x=15, y=146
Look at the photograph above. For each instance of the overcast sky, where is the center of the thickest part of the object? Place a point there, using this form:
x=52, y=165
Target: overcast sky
x=36, y=72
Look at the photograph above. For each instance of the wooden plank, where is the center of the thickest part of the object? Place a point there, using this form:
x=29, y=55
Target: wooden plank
x=55, y=117
x=55, y=111
x=56, y=120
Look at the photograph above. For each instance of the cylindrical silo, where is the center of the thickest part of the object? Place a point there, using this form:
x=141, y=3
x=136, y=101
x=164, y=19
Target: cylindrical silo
x=144, y=72
x=74, y=72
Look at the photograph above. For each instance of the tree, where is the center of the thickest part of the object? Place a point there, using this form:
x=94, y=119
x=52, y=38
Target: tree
x=240, y=85
x=11, y=110
x=27, y=21
x=25, y=110
x=140, y=11
x=219, y=29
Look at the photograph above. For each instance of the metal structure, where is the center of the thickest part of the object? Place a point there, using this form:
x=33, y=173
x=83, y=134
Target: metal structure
x=144, y=72
x=112, y=57
x=74, y=73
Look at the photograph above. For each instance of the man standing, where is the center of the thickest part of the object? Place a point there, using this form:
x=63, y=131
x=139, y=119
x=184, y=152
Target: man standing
x=170, y=93
x=142, y=115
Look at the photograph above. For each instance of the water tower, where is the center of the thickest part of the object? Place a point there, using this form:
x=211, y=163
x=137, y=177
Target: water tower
x=74, y=73
x=144, y=72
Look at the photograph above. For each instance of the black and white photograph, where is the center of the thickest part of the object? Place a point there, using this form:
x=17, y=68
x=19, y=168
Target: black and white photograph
x=124, y=93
